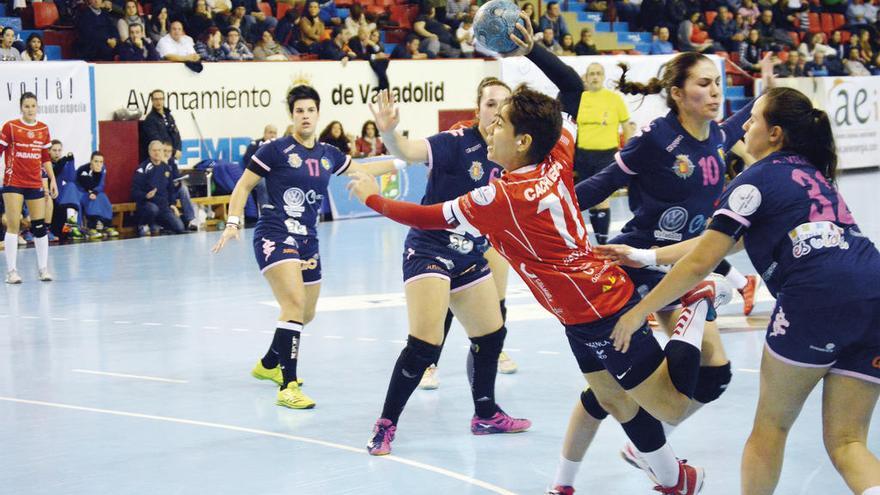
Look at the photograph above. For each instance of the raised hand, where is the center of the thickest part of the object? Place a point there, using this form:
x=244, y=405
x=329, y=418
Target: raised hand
x=363, y=186
x=527, y=42
x=386, y=115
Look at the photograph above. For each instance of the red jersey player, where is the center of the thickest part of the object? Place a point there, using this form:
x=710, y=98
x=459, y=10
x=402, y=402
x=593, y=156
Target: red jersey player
x=530, y=216
x=25, y=142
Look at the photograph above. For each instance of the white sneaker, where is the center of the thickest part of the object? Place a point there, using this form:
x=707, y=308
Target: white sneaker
x=45, y=276
x=506, y=365
x=634, y=458
x=429, y=379
x=12, y=277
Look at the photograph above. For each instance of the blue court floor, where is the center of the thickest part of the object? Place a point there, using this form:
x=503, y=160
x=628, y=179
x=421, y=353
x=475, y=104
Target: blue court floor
x=130, y=375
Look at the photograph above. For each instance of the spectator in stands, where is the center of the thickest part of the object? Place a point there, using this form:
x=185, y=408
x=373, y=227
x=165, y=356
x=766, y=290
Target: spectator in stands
x=129, y=16
x=691, y=38
x=159, y=25
x=857, y=14
x=854, y=66
x=311, y=27
x=814, y=44
x=210, y=46
x=586, y=46
x=750, y=12
x=840, y=49
x=65, y=210
x=436, y=37
x=409, y=49
x=255, y=21
x=853, y=43
x=96, y=207
x=528, y=9
x=548, y=41
x=465, y=36
x=356, y=21
x=652, y=14
x=268, y=49
x=875, y=66
x=774, y=36
x=137, y=48
x=329, y=14
x=552, y=19
x=334, y=134
x=793, y=67
x=287, y=31
x=96, y=33
x=176, y=46
x=751, y=52
x=159, y=124
x=152, y=189
x=661, y=45
x=369, y=143
x=34, y=51
x=676, y=12
x=600, y=6
x=199, y=20
x=363, y=46
x=628, y=10
x=567, y=46
x=270, y=132
x=818, y=67
x=234, y=48
x=724, y=31
x=866, y=46
x=187, y=212
x=456, y=12
x=335, y=48
x=786, y=15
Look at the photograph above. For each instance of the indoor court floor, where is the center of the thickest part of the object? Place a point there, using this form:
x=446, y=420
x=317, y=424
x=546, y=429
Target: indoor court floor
x=129, y=374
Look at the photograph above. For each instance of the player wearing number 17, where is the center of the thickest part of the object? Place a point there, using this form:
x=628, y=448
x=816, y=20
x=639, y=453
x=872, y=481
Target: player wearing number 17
x=530, y=216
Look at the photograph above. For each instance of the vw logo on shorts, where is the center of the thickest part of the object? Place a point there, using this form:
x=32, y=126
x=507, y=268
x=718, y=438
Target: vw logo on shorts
x=673, y=219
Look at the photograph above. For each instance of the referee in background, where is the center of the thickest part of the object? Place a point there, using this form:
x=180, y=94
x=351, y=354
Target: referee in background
x=602, y=116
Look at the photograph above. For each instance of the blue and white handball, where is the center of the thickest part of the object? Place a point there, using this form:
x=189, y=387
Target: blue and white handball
x=494, y=23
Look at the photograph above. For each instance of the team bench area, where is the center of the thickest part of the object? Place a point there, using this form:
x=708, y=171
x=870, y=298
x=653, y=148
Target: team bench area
x=217, y=203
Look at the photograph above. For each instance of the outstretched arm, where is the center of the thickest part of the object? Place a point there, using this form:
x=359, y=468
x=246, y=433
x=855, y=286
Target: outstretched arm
x=387, y=116
x=601, y=186
x=430, y=217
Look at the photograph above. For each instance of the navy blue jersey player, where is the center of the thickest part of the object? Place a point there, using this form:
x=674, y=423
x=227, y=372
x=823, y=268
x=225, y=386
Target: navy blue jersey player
x=802, y=238
x=297, y=170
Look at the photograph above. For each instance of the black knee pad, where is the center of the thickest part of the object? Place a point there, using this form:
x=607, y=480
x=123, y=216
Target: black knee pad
x=489, y=345
x=39, y=228
x=422, y=351
x=712, y=382
x=592, y=406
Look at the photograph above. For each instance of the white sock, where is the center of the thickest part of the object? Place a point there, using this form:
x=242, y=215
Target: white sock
x=667, y=429
x=42, y=245
x=11, y=241
x=874, y=490
x=565, y=472
x=736, y=278
x=691, y=323
x=664, y=465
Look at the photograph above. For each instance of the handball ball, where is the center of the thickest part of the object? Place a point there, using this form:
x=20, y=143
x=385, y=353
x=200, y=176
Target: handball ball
x=495, y=22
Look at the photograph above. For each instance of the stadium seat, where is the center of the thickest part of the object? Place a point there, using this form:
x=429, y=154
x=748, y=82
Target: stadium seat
x=53, y=52
x=346, y=3
x=404, y=15
x=265, y=8
x=827, y=23
x=845, y=36
x=710, y=17
x=837, y=21
x=64, y=39
x=45, y=14
x=283, y=8
x=815, y=25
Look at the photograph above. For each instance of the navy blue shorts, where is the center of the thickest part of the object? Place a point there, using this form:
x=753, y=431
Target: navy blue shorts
x=644, y=279
x=422, y=259
x=271, y=250
x=27, y=192
x=594, y=351
x=844, y=338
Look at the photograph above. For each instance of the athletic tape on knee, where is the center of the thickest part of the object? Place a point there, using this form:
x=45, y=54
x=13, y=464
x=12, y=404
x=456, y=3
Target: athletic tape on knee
x=712, y=382
x=39, y=227
x=592, y=406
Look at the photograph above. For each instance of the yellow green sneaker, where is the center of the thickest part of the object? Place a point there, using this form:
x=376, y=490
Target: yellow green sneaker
x=294, y=398
x=260, y=372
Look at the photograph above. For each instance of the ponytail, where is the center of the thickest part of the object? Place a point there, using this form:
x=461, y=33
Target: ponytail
x=675, y=73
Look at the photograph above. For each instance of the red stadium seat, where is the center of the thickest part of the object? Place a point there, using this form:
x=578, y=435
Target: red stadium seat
x=346, y=4
x=265, y=8
x=376, y=10
x=404, y=15
x=827, y=23
x=815, y=25
x=710, y=17
x=282, y=8
x=45, y=14
x=65, y=39
x=845, y=36
x=838, y=20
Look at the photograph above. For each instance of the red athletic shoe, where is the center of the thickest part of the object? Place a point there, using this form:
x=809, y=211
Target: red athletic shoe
x=561, y=490
x=703, y=290
x=690, y=481
x=748, y=293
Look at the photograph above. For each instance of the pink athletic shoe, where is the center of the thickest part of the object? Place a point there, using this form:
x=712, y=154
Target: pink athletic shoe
x=690, y=481
x=561, y=490
x=383, y=435
x=501, y=422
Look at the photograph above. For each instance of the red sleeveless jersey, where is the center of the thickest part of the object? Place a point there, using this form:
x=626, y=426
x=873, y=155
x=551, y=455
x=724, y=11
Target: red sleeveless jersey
x=26, y=148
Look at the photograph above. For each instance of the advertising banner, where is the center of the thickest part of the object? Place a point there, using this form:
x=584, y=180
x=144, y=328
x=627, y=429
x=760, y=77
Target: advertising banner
x=405, y=185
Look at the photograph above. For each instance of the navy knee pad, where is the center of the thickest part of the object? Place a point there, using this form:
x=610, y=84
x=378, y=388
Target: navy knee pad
x=712, y=382
x=39, y=228
x=592, y=406
x=422, y=351
x=489, y=345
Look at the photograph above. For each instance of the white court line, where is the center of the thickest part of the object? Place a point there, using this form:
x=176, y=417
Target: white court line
x=30, y=317
x=122, y=322
x=123, y=375
x=151, y=324
x=748, y=370
x=391, y=458
x=239, y=330
x=180, y=325
x=209, y=327
x=55, y=318
x=367, y=339
x=90, y=321
x=552, y=353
